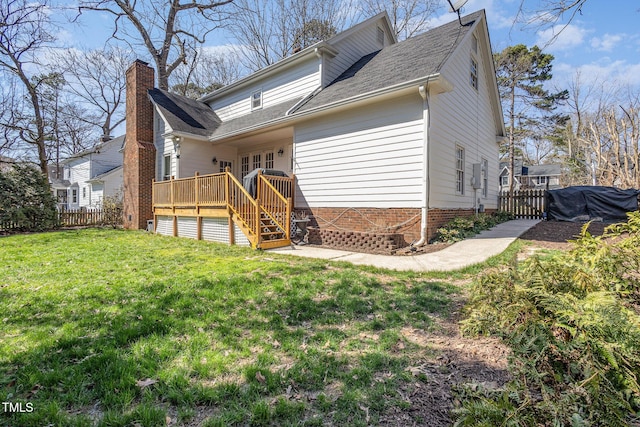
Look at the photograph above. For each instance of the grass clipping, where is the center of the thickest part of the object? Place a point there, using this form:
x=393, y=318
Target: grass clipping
x=573, y=323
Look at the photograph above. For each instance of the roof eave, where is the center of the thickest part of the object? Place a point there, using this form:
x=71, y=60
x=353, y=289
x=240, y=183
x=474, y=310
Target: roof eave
x=185, y=135
x=436, y=82
x=311, y=51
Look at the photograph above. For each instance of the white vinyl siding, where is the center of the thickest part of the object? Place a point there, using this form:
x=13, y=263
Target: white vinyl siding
x=240, y=238
x=187, y=227
x=367, y=157
x=463, y=115
x=295, y=82
x=164, y=225
x=197, y=156
x=351, y=49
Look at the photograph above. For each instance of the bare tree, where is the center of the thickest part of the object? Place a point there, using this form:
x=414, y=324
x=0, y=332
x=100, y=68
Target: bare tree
x=96, y=79
x=166, y=28
x=23, y=35
x=206, y=71
x=270, y=30
x=612, y=138
x=408, y=17
x=549, y=14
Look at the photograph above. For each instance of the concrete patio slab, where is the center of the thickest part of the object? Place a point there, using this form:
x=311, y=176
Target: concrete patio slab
x=459, y=255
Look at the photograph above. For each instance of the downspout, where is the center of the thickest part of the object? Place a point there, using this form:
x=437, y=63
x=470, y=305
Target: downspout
x=424, y=93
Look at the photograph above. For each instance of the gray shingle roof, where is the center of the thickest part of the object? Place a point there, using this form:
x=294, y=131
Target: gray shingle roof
x=96, y=148
x=414, y=58
x=544, y=170
x=185, y=114
x=257, y=117
x=417, y=57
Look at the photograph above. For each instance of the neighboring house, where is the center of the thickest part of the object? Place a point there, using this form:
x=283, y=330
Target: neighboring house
x=531, y=176
x=382, y=137
x=89, y=176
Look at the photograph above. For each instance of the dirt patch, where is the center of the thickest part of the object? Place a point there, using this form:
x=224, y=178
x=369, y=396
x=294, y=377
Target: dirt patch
x=557, y=234
x=452, y=360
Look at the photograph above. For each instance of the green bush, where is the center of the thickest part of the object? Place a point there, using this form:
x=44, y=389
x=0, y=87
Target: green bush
x=461, y=228
x=26, y=201
x=573, y=323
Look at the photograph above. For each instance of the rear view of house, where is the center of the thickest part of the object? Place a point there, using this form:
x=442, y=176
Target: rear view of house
x=382, y=142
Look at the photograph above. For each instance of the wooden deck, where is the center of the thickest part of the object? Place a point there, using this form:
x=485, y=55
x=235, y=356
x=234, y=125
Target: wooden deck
x=265, y=220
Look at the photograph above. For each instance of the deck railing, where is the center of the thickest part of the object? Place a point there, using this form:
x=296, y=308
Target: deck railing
x=205, y=190
x=274, y=204
x=245, y=207
x=274, y=194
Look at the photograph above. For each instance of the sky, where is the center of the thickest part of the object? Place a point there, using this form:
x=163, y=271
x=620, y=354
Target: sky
x=602, y=41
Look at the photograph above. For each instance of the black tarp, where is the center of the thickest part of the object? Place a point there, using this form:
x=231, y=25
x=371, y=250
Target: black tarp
x=250, y=180
x=584, y=203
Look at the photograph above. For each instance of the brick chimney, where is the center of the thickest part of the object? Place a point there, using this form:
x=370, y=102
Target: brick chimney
x=139, y=152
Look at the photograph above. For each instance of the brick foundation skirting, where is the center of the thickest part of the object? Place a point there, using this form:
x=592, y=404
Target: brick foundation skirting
x=374, y=230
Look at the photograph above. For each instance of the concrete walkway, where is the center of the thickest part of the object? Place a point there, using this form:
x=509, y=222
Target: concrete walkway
x=459, y=255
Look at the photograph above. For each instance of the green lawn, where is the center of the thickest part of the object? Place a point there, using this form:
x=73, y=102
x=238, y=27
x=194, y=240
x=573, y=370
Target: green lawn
x=109, y=328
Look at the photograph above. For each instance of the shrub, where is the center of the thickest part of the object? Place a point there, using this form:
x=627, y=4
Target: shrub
x=460, y=228
x=26, y=201
x=573, y=323
x=112, y=210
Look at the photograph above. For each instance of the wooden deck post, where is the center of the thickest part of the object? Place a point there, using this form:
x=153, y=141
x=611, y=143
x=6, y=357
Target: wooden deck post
x=288, y=218
x=293, y=191
x=258, y=184
x=153, y=205
x=196, y=191
x=257, y=222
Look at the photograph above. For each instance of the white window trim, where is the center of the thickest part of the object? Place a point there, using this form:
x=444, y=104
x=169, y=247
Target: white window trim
x=166, y=174
x=253, y=94
x=380, y=36
x=223, y=163
x=473, y=73
x=460, y=191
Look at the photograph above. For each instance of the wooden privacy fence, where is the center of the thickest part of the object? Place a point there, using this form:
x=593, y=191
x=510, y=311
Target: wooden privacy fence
x=524, y=204
x=80, y=217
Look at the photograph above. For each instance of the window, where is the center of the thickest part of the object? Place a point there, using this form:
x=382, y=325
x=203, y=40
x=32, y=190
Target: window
x=474, y=44
x=74, y=196
x=84, y=192
x=504, y=180
x=485, y=177
x=268, y=160
x=244, y=166
x=223, y=165
x=166, y=168
x=380, y=36
x=257, y=161
x=256, y=100
x=542, y=180
x=474, y=74
x=459, y=170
